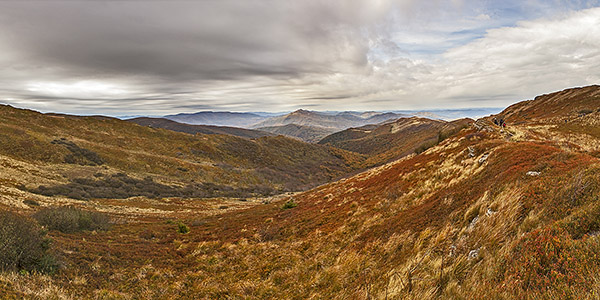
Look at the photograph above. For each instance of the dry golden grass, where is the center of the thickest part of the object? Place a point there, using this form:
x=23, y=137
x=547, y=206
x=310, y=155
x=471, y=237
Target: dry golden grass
x=462, y=220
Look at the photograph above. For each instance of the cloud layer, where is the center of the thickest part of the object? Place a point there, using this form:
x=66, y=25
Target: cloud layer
x=121, y=57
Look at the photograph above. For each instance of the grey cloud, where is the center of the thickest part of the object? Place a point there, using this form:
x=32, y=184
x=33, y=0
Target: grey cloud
x=133, y=57
x=205, y=40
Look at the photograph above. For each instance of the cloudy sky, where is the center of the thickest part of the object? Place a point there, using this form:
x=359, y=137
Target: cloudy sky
x=162, y=57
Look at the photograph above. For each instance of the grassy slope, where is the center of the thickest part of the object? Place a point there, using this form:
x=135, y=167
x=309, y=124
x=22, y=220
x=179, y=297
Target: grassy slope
x=309, y=134
x=462, y=220
x=204, y=129
x=279, y=162
x=395, y=139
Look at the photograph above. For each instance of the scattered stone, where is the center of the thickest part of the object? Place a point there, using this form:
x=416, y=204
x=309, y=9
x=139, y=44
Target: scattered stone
x=473, y=254
x=471, y=151
x=483, y=158
x=473, y=222
x=533, y=173
x=452, y=250
x=489, y=212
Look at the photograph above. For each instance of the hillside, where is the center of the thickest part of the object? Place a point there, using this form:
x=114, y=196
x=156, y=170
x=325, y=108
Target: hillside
x=75, y=148
x=309, y=134
x=203, y=129
x=556, y=107
x=333, y=122
x=487, y=213
x=234, y=119
x=394, y=139
x=574, y=112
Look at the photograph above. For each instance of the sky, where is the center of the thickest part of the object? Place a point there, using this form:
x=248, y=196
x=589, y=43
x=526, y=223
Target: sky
x=165, y=57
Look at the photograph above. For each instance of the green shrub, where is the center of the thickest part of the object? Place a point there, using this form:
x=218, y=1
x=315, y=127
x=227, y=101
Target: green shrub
x=182, y=228
x=23, y=245
x=68, y=219
x=290, y=204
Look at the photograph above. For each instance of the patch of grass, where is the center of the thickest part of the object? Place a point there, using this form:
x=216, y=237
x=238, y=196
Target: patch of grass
x=68, y=219
x=23, y=245
x=290, y=204
x=182, y=228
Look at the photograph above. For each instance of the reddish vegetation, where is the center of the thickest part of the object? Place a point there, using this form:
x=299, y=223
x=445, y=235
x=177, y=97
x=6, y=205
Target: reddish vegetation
x=395, y=139
x=484, y=214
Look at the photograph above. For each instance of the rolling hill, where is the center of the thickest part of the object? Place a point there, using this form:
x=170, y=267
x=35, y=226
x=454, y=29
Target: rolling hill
x=486, y=213
x=309, y=134
x=203, y=129
x=339, y=121
x=234, y=119
x=75, y=148
x=395, y=139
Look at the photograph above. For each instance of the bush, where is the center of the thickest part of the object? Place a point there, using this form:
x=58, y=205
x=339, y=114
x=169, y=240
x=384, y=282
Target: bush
x=425, y=146
x=121, y=186
x=68, y=219
x=23, y=245
x=290, y=204
x=79, y=155
x=182, y=228
x=31, y=202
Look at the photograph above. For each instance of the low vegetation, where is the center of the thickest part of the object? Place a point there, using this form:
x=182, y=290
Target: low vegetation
x=483, y=214
x=70, y=219
x=121, y=186
x=290, y=204
x=79, y=155
x=68, y=145
x=182, y=228
x=393, y=140
x=24, y=245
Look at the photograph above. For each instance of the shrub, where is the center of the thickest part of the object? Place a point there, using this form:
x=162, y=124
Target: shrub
x=23, y=245
x=549, y=257
x=31, y=202
x=290, y=204
x=182, y=228
x=79, y=155
x=423, y=147
x=121, y=186
x=68, y=219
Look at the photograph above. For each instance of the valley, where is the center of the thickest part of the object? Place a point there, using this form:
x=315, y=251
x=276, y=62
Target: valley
x=411, y=208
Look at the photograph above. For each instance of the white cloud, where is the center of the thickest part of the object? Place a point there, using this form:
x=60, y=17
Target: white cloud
x=483, y=17
x=532, y=57
x=79, y=89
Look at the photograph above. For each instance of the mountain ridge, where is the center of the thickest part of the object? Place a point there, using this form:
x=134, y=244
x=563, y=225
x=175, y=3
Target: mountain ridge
x=338, y=121
x=204, y=129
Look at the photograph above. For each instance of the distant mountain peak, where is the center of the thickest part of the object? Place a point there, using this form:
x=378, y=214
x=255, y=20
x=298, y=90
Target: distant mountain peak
x=302, y=112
